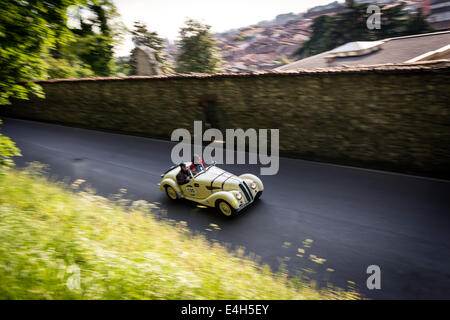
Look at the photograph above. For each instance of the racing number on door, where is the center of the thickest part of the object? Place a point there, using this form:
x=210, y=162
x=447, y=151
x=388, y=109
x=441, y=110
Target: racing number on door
x=190, y=190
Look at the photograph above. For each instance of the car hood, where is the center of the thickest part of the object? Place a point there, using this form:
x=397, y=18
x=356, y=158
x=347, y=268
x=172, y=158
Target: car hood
x=219, y=179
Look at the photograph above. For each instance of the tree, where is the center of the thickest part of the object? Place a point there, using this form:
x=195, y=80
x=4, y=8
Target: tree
x=332, y=31
x=317, y=43
x=96, y=51
x=198, y=52
x=96, y=36
x=417, y=24
x=142, y=36
x=329, y=32
x=393, y=22
x=66, y=68
x=27, y=30
x=89, y=49
x=7, y=151
x=122, y=67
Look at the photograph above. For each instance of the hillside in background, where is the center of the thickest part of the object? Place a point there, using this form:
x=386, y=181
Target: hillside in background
x=262, y=47
x=271, y=43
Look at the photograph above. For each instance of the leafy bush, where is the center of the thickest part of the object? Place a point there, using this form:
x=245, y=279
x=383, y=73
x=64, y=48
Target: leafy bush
x=8, y=150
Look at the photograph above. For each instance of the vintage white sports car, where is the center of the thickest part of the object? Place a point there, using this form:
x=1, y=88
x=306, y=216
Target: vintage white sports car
x=214, y=187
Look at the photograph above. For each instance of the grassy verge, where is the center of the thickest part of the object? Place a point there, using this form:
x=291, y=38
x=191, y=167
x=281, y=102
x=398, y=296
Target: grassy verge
x=61, y=244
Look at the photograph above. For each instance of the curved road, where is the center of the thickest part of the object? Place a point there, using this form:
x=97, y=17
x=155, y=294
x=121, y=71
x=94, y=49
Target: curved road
x=355, y=217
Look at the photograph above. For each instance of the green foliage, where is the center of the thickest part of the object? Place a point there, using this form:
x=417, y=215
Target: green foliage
x=330, y=32
x=141, y=36
x=417, y=24
x=320, y=40
x=198, y=52
x=52, y=237
x=27, y=29
x=64, y=68
x=94, y=39
x=96, y=51
x=122, y=67
x=7, y=150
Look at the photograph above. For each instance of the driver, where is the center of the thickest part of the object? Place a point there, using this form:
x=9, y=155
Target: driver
x=197, y=164
x=183, y=176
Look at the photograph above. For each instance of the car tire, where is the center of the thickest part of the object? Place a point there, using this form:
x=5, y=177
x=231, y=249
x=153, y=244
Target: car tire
x=258, y=195
x=171, y=193
x=225, y=208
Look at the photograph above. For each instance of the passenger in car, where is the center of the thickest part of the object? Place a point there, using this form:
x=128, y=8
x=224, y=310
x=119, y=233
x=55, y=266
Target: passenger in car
x=197, y=164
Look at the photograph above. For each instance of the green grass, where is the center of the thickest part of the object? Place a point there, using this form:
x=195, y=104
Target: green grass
x=48, y=231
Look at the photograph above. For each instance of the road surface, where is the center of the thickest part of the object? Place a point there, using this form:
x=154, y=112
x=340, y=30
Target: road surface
x=355, y=217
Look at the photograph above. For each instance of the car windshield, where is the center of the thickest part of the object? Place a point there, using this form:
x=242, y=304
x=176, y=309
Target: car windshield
x=204, y=170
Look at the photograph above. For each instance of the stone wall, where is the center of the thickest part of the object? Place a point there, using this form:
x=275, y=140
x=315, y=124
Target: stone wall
x=386, y=117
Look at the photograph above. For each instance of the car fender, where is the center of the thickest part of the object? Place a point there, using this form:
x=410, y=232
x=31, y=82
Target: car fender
x=169, y=182
x=228, y=196
x=249, y=176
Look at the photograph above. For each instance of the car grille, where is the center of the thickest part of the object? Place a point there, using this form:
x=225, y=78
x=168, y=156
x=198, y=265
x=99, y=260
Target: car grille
x=246, y=190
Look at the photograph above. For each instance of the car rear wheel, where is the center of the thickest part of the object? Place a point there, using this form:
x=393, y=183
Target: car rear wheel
x=225, y=208
x=171, y=193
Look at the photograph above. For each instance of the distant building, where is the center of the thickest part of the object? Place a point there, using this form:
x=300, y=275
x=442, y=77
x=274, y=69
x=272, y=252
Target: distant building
x=382, y=2
x=146, y=64
x=439, y=13
x=283, y=18
x=426, y=7
x=408, y=49
x=329, y=9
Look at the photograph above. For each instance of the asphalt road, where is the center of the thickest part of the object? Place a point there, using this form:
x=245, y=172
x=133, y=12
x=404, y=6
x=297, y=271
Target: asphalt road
x=355, y=217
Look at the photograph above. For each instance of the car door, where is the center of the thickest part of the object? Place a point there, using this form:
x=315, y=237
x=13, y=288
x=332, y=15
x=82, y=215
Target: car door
x=200, y=185
x=188, y=189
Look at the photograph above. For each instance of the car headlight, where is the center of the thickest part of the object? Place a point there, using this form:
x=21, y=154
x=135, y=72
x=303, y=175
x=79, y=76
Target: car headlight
x=238, y=195
x=253, y=185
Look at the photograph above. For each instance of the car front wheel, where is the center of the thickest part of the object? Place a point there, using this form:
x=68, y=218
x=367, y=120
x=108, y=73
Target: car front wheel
x=225, y=208
x=171, y=193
